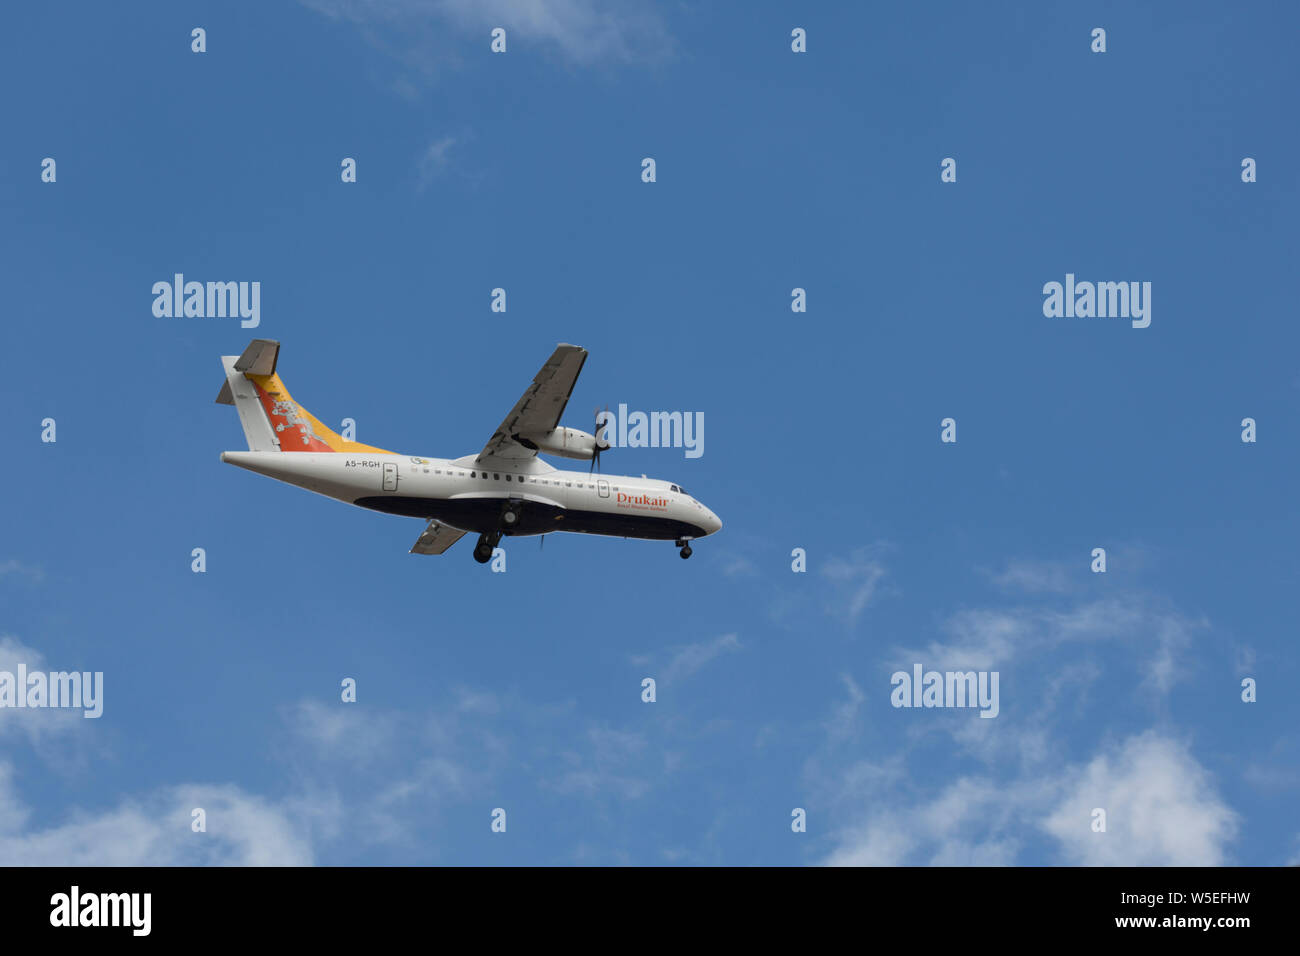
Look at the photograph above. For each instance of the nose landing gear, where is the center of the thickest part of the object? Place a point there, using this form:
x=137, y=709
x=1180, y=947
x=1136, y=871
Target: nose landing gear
x=685, y=547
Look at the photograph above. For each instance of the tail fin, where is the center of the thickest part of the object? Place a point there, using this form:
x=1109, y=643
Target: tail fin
x=272, y=420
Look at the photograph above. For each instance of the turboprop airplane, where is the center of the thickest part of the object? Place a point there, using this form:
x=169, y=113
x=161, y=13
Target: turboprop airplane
x=503, y=490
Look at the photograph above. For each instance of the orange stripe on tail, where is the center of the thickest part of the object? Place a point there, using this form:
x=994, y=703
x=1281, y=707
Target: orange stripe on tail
x=297, y=428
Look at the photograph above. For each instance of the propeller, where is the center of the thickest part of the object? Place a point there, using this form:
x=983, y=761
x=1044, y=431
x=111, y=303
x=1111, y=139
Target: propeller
x=595, y=458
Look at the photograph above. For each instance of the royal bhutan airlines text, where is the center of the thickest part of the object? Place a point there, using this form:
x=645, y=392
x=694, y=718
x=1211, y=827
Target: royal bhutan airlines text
x=641, y=501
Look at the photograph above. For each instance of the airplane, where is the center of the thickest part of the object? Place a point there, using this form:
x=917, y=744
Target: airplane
x=506, y=489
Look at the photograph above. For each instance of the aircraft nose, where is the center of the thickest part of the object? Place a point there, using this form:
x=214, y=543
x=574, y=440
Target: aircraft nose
x=715, y=523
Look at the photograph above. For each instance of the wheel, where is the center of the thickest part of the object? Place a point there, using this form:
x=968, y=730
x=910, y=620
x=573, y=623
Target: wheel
x=686, y=552
x=482, y=554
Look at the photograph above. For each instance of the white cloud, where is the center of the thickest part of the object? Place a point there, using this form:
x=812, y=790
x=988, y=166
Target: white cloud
x=1162, y=810
x=342, y=732
x=242, y=830
x=1163, y=807
x=43, y=724
x=884, y=842
x=583, y=31
x=994, y=638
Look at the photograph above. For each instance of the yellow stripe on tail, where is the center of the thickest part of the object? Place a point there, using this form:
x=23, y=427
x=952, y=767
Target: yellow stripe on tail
x=272, y=420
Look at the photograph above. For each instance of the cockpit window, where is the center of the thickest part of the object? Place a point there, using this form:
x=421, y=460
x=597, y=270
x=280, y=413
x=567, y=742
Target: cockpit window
x=682, y=490
x=674, y=488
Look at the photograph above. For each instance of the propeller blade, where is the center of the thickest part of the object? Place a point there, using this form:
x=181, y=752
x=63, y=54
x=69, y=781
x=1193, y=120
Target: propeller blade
x=595, y=458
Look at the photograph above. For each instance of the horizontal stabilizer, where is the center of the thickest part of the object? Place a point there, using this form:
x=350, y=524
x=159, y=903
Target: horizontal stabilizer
x=437, y=538
x=259, y=358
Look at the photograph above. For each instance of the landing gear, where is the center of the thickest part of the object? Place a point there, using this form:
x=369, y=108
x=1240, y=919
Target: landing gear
x=686, y=552
x=506, y=524
x=486, y=544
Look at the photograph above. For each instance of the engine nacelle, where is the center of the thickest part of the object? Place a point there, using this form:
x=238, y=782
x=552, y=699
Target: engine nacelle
x=565, y=442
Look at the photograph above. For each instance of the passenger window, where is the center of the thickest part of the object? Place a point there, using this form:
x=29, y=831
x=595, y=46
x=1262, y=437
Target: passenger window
x=473, y=475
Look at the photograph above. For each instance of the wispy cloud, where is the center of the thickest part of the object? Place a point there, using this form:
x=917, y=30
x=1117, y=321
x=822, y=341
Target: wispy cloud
x=1040, y=780
x=989, y=638
x=1036, y=577
x=585, y=31
x=425, y=36
x=737, y=565
x=156, y=830
x=857, y=579
x=436, y=159
x=612, y=765
x=17, y=569
x=844, y=715
x=689, y=659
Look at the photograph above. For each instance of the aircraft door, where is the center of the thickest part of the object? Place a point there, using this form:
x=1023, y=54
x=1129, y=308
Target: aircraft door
x=602, y=487
x=390, y=476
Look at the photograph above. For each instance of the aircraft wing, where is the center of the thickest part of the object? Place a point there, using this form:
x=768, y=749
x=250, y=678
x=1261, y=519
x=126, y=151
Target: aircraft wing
x=437, y=538
x=539, y=409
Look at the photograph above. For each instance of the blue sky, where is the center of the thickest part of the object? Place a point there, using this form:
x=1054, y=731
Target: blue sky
x=775, y=170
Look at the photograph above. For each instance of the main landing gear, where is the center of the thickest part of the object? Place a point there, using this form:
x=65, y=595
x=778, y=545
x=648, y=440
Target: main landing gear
x=508, y=522
x=685, y=548
x=486, y=543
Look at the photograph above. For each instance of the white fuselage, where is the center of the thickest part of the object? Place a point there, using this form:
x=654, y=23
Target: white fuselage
x=461, y=494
